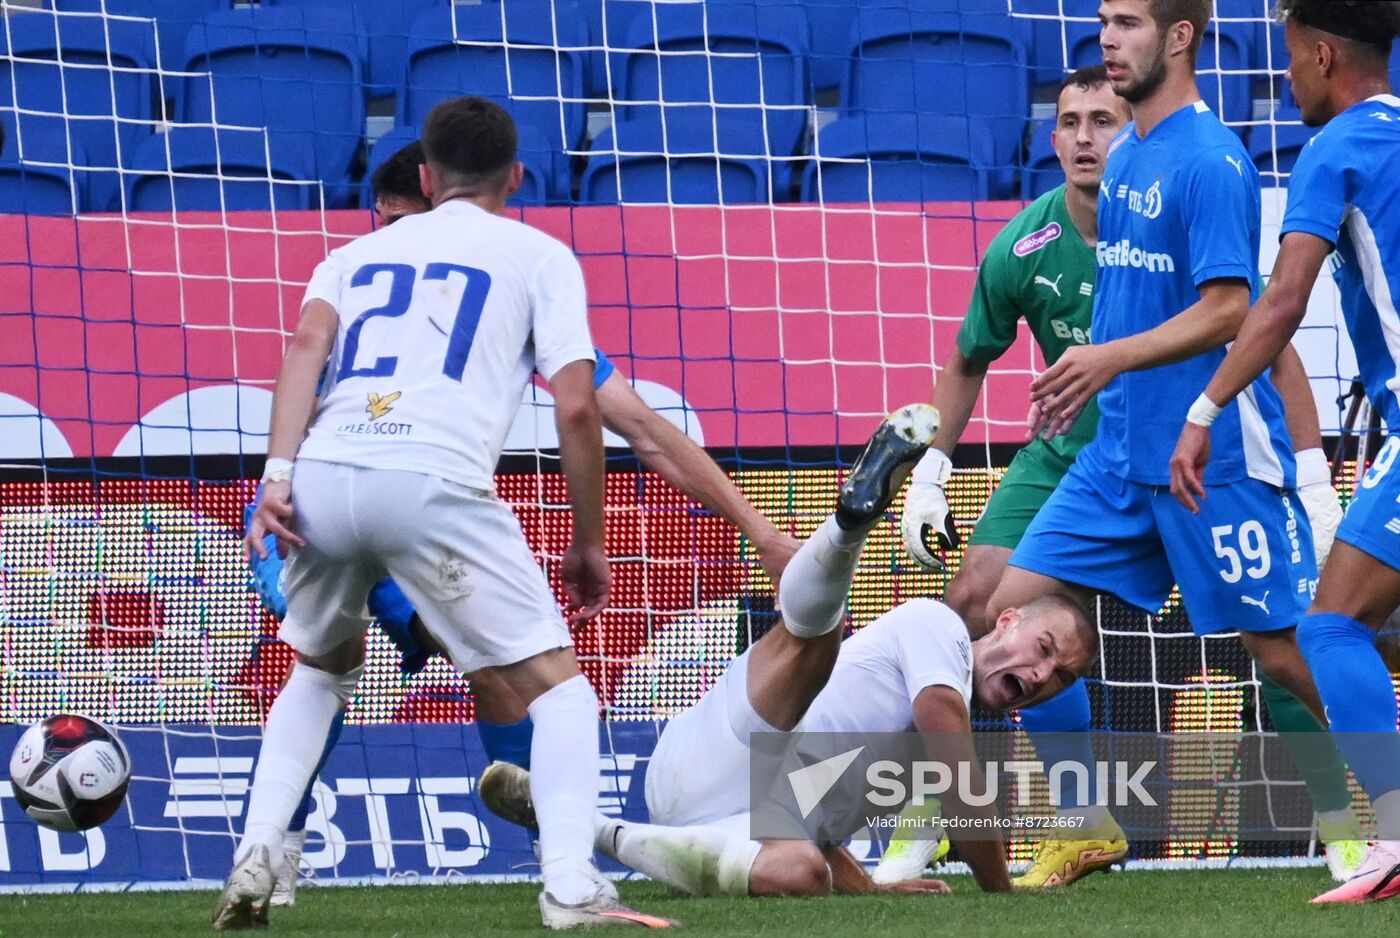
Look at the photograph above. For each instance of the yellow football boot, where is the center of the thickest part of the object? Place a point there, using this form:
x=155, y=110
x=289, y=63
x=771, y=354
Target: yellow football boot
x=1060, y=861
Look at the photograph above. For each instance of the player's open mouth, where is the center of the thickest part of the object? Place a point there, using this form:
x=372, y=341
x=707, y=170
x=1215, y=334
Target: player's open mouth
x=1014, y=686
x=1086, y=160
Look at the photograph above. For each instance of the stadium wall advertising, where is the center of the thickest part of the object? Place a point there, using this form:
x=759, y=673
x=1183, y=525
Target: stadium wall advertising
x=771, y=326
x=392, y=802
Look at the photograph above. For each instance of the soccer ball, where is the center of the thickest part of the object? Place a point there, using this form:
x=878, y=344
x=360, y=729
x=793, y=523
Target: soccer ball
x=70, y=772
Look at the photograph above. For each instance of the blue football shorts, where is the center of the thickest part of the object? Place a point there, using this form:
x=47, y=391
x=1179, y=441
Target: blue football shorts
x=1245, y=562
x=1372, y=522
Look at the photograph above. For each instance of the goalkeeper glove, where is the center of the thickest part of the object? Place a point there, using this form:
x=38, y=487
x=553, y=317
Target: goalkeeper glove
x=1319, y=500
x=927, y=522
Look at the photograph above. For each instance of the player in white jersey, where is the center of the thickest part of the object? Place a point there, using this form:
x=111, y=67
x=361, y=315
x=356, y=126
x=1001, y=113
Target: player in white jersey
x=915, y=668
x=428, y=331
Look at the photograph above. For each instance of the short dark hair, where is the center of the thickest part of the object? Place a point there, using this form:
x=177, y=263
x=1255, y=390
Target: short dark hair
x=470, y=143
x=397, y=177
x=1195, y=12
x=1084, y=79
x=1371, y=24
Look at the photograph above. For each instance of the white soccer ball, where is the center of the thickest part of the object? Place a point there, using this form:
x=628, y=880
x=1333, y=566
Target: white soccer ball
x=70, y=772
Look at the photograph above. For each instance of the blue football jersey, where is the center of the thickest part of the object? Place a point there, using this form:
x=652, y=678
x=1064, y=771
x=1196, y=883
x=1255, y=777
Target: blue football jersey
x=1346, y=189
x=1176, y=209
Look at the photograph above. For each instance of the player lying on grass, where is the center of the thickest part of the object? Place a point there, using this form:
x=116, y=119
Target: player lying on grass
x=502, y=720
x=913, y=669
x=1041, y=268
x=1341, y=205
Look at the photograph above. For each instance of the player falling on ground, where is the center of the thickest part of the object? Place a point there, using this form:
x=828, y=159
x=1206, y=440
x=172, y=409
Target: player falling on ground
x=433, y=327
x=1342, y=199
x=502, y=720
x=1041, y=267
x=1177, y=256
x=914, y=668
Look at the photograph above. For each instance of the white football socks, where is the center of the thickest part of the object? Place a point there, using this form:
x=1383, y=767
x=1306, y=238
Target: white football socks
x=293, y=740
x=564, y=785
x=699, y=861
x=812, y=593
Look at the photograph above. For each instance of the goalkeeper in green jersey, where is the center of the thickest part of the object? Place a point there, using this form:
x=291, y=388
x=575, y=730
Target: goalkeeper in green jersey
x=1041, y=268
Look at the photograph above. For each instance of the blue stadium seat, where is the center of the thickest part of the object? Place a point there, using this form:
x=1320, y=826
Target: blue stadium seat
x=608, y=22
x=387, y=26
x=683, y=169
x=1275, y=147
x=296, y=71
x=1056, y=27
x=538, y=76
x=534, y=152
x=36, y=174
x=1042, y=171
x=906, y=62
x=173, y=19
x=901, y=158
x=78, y=75
x=201, y=169
x=735, y=69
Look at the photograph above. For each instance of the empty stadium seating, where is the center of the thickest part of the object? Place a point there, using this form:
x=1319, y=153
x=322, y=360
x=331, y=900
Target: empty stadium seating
x=172, y=20
x=905, y=62
x=528, y=55
x=201, y=169
x=901, y=158
x=729, y=74
x=36, y=171
x=689, y=101
x=297, y=71
x=78, y=75
x=683, y=168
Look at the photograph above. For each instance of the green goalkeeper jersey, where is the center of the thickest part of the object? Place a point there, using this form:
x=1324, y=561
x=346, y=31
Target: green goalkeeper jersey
x=1039, y=269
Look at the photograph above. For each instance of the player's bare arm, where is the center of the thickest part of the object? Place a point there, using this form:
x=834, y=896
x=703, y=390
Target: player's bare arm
x=1062, y=391
x=848, y=877
x=664, y=449
x=293, y=402
x=941, y=715
x=585, y=565
x=1267, y=329
x=955, y=396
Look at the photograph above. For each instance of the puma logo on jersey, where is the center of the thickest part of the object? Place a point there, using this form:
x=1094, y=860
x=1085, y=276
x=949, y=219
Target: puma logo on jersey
x=1238, y=164
x=1052, y=284
x=379, y=406
x=1262, y=603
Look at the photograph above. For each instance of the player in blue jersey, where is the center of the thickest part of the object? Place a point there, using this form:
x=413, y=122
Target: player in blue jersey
x=502, y=721
x=1342, y=203
x=1177, y=257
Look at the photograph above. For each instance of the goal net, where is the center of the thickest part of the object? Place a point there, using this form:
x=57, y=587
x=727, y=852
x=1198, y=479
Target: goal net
x=779, y=208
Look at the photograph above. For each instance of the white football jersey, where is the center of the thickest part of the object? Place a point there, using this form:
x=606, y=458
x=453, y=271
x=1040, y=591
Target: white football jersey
x=882, y=668
x=444, y=317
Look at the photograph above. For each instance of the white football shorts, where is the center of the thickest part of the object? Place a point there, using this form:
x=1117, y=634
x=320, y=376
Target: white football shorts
x=457, y=553
x=699, y=771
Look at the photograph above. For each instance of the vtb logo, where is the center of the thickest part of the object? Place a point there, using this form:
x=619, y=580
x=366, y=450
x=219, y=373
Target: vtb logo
x=379, y=406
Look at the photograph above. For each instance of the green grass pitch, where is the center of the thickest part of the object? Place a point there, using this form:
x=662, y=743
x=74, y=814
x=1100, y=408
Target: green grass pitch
x=1225, y=903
